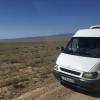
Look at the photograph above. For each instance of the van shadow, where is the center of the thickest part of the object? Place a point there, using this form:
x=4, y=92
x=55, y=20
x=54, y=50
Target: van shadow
x=93, y=94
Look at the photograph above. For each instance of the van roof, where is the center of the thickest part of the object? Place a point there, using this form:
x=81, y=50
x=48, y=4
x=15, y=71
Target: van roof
x=92, y=32
x=95, y=27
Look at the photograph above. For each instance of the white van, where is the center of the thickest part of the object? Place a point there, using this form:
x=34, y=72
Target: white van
x=79, y=62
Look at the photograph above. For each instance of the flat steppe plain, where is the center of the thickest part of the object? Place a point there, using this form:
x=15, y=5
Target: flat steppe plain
x=26, y=72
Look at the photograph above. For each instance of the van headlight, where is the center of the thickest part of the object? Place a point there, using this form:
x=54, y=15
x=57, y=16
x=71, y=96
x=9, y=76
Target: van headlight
x=56, y=67
x=90, y=75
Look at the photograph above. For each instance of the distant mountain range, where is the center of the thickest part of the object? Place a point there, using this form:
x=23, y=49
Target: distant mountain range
x=50, y=37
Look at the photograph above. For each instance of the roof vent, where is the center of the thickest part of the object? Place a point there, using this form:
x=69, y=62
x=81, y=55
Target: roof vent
x=95, y=27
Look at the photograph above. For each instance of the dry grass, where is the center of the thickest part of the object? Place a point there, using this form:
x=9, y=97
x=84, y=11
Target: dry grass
x=26, y=65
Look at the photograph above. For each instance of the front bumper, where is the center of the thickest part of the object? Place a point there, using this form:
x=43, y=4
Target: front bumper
x=89, y=85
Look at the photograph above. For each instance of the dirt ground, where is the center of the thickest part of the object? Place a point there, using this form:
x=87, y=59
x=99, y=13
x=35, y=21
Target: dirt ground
x=26, y=72
x=55, y=91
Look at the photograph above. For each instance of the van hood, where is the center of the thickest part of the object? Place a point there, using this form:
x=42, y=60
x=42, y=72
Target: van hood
x=75, y=62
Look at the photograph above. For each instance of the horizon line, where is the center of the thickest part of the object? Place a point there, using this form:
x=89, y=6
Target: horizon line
x=35, y=36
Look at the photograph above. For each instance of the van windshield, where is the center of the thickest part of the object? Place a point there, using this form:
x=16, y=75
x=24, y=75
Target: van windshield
x=84, y=46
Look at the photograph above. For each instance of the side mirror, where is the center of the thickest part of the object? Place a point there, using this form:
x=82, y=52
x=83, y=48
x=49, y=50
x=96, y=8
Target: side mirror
x=62, y=49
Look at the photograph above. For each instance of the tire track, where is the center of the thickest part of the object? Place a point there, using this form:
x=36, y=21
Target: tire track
x=55, y=94
x=54, y=91
x=31, y=95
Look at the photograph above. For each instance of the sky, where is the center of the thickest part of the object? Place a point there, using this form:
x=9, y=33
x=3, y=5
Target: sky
x=28, y=18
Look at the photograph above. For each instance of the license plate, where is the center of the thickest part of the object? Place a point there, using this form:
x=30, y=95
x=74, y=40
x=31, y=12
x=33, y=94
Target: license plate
x=67, y=79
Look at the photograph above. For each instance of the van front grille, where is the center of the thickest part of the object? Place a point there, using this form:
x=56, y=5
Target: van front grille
x=70, y=71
